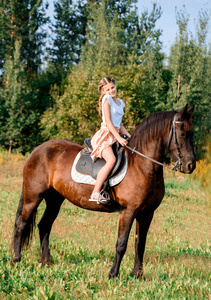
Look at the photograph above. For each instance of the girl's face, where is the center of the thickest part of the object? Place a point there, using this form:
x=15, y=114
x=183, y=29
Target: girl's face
x=109, y=89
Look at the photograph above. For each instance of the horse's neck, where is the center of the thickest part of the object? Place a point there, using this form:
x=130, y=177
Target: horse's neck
x=154, y=149
x=153, y=146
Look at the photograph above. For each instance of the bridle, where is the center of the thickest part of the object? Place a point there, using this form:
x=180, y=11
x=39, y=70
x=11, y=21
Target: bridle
x=172, y=133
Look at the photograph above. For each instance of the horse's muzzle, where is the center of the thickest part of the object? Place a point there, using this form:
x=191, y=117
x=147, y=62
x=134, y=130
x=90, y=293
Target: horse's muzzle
x=190, y=166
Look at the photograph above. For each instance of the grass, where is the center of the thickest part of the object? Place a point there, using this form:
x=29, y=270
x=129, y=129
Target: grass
x=177, y=257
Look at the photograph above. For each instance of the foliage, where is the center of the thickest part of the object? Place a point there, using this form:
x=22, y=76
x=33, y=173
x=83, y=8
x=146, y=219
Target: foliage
x=105, y=39
x=148, y=37
x=203, y=167
x=23, y=20
x=189, y=63
x=68, y=31
x=115, y=28
x=18, y=114
x=66, y=119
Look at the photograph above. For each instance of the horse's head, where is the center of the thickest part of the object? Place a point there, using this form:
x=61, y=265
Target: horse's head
x=180, y=143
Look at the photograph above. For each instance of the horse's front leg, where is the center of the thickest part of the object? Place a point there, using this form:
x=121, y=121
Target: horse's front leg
x=125, y=223
x=142, y=225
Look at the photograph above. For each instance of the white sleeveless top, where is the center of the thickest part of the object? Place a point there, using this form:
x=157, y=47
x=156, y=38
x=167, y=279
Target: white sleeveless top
x=116, y=111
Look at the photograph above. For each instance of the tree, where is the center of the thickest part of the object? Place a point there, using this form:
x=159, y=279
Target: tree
x=189, y=64
x=18, y=115
x=23, y=20
x=148, y=39
x=138, y=34
x=105, y=38
x=68, y=34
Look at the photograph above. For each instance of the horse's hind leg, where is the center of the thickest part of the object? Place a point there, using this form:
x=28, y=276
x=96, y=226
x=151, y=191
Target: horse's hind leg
x=24, y=223
x=53, y=203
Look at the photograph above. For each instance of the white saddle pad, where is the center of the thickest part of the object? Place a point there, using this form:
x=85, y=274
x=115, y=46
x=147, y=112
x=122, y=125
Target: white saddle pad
x=87, y=179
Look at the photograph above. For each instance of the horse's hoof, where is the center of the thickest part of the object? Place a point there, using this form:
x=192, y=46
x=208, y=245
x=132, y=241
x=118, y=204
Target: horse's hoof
x=113, y=276
x=16, y=259
x=137, y=274
x=45, y=261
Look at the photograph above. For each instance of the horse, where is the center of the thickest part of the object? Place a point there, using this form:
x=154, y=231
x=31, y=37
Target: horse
x=47, y=175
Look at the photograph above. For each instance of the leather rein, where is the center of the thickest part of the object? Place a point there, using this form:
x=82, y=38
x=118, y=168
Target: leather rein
x=172, y=133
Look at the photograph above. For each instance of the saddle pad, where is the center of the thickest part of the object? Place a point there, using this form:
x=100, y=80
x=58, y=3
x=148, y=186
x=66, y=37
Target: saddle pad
x=87, y=179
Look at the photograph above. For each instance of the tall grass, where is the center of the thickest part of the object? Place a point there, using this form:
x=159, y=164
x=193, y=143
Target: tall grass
x=177, y=257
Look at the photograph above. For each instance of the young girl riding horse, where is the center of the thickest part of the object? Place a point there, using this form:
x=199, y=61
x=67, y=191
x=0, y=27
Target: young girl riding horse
x=111, y=126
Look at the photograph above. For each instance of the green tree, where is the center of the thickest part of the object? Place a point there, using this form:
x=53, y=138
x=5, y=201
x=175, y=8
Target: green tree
x=23, y=20
x=105, y=38
x=189, y=63
x=19, y=114
x=68, y=34
x=148, y=39
x=139, y=35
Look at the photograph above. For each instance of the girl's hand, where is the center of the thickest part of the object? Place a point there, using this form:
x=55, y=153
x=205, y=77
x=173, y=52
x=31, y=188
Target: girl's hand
x=122, y=141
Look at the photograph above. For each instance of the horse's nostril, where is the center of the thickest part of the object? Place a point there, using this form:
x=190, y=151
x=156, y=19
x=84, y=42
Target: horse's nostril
x=191, y=166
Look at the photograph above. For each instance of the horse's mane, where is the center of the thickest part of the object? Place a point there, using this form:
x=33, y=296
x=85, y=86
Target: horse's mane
x=150, y=128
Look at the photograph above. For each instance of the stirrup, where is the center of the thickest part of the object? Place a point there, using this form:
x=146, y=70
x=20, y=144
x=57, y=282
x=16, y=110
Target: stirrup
x=100, y=198
x=105, y=198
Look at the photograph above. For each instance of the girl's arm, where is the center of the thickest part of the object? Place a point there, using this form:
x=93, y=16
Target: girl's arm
x=109, y=124
x=124, y=131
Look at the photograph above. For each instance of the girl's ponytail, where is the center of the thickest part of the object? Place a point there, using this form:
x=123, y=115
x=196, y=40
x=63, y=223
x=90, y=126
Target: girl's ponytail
x=100, y=103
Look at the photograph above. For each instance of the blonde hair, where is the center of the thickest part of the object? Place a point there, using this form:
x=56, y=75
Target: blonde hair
x=101, y=84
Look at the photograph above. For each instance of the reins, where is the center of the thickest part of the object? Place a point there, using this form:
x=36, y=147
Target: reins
x=155, y=161
x=178, y=163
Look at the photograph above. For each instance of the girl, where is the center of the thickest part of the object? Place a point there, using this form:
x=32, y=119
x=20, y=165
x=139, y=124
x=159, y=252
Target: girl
x=102, y=141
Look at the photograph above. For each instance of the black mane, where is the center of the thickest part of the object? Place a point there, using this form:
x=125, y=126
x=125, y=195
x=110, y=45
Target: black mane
x=151, y=128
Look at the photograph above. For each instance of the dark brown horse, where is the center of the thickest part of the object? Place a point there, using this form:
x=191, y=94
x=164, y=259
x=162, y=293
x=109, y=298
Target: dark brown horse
x=47, y=175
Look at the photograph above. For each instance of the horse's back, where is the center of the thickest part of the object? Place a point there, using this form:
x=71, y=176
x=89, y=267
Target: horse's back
x=51, y=149
x=48, y=157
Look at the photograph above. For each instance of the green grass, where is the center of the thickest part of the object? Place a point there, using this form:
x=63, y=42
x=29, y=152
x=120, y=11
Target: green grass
x=176, y=263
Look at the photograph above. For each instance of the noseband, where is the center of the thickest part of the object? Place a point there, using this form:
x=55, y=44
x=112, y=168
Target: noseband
x=172, y=133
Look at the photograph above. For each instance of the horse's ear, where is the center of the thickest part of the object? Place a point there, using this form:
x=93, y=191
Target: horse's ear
x=190, y=110
x=186, y=113
x=183, y=112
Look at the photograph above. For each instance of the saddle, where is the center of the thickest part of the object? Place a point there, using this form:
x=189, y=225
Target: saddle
x=86, y=165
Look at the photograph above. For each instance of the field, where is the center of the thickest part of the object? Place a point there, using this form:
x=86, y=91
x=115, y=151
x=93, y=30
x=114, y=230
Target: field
x=177, y=260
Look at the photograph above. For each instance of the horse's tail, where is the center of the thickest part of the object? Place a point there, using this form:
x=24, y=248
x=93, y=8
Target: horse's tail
x=29, y=227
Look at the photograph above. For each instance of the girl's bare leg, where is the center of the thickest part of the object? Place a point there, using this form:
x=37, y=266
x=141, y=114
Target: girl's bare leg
x=110, y=159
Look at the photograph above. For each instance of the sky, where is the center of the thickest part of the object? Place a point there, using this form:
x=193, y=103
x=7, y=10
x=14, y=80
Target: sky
x=167, y=21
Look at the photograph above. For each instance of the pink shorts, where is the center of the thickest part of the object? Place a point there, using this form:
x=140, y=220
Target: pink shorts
x=102, y=139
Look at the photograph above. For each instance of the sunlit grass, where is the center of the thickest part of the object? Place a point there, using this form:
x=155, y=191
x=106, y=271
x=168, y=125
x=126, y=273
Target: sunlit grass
x=177, y=257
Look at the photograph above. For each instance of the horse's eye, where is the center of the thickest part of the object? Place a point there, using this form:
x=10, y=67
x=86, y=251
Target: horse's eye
x=183, y=134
